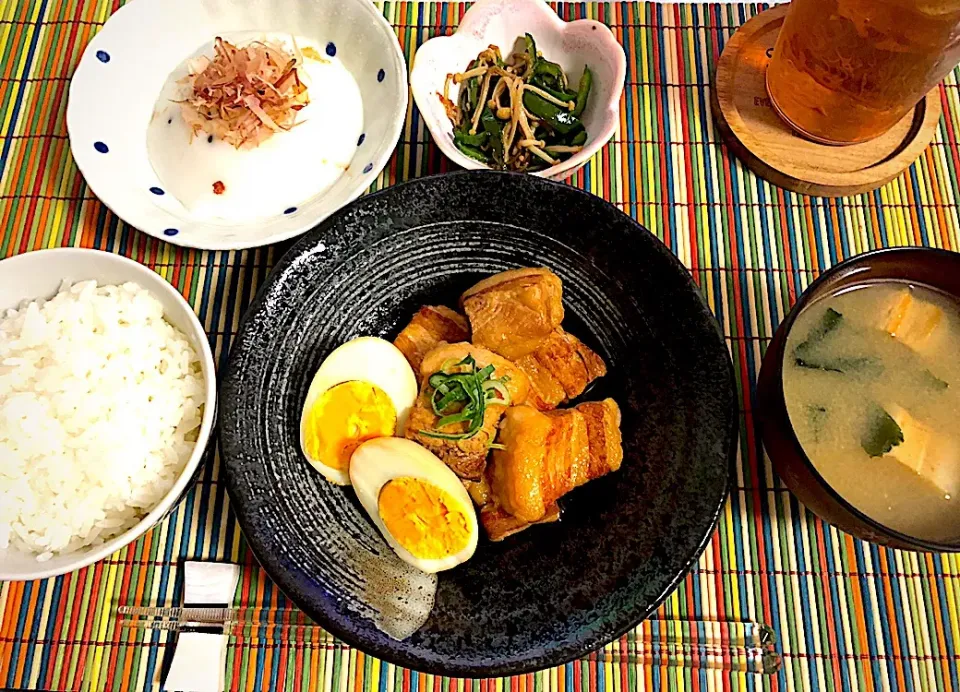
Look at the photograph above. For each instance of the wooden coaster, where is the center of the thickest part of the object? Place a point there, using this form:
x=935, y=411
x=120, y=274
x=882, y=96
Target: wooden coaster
x=767, y=145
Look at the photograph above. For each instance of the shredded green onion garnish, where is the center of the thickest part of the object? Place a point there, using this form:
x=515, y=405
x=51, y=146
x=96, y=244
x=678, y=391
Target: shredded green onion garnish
x=460, y=395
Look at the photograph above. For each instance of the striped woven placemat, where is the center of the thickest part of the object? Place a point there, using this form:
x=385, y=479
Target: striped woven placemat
x=849, y=615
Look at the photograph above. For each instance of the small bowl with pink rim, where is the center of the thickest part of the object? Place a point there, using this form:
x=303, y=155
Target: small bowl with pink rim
x=500, y=22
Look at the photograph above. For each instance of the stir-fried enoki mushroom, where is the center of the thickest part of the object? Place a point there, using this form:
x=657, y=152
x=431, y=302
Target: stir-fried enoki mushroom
x=452, y=109
x=483, y=97
x=517, y=113
x=569, y=105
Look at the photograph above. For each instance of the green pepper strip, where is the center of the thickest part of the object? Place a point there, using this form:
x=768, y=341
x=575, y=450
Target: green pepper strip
x=531, y=46
x=472, y=152
x=549, y=72
x=477, y=140
x=473, y=90
x=556, y=93
x=583, y=91
x=494, y=129
x=562, y=121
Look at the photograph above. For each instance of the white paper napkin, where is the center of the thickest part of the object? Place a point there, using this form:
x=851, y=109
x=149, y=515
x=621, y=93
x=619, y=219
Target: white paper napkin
x=199, y=660
x=209, y=583
x=198, y=663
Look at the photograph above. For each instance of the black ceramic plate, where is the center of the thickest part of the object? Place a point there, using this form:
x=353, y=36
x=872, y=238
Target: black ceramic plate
x=553, y=592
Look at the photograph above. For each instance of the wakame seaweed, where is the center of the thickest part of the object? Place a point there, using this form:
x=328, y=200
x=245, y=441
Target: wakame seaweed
x=807, y=354
x=881, y=433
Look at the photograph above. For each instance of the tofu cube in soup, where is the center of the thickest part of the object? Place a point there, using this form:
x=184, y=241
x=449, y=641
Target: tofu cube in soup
x=911, y=320
x=931, y=456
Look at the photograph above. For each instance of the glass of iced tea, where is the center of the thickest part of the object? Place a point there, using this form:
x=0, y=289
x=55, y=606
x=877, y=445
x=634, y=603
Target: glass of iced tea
x=846, y=71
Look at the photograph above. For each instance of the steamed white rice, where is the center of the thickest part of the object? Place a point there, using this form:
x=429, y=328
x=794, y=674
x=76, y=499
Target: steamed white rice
x=100, y=405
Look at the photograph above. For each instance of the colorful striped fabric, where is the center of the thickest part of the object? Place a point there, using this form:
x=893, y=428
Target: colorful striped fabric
x=849, y=615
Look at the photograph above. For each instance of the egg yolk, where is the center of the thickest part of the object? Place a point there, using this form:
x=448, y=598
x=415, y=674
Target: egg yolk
x=344, y=417
x=423, y=518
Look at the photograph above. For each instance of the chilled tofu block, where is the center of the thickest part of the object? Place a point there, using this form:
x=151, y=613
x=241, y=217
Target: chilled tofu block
x=933, y=457
x=910, y=320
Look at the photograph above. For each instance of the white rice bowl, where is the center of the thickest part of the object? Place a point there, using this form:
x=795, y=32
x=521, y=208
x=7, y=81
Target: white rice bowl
x=101, y=404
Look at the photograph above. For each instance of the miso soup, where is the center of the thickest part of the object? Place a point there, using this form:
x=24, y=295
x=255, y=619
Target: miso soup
x=871, y=379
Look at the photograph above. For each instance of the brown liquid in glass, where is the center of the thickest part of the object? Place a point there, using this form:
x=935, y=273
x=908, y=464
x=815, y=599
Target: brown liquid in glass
x=846, y=71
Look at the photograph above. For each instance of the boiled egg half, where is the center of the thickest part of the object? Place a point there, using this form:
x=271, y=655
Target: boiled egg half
x=416, y=501
x=364, y=389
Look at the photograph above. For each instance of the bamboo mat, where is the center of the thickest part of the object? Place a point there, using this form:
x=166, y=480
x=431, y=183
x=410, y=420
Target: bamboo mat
x=849, y=615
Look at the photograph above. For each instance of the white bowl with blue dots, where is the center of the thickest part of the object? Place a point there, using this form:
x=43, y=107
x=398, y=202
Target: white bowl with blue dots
x=114, y=98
